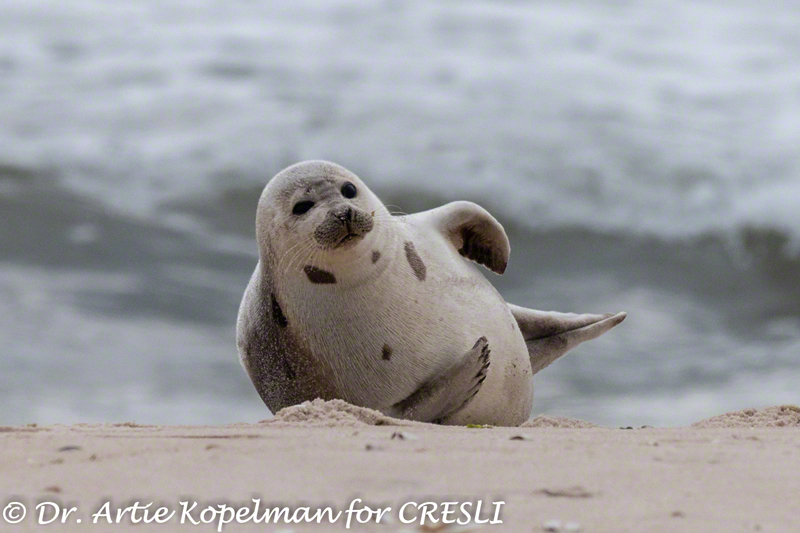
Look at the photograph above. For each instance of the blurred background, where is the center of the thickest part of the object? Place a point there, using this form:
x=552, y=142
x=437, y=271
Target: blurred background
x=643, y=156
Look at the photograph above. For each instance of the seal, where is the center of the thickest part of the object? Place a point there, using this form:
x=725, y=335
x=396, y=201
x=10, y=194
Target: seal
x=390, y=312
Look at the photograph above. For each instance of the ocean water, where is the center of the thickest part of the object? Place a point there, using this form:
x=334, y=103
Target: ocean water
x=643, y=156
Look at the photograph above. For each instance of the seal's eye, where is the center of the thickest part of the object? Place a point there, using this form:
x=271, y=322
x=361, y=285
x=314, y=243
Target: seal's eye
x=301, y=208
x=349, y=190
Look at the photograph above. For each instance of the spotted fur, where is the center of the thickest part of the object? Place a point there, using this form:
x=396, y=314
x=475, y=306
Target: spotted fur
x=278, y=362
x=277, y=313
x=415, y=261
x=319, y=276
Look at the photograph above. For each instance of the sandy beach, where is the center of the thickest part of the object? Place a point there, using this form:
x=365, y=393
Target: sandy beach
x=734, y=473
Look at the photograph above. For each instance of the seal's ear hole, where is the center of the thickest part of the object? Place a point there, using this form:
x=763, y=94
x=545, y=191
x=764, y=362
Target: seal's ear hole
x=349, y=190
x=301, y=208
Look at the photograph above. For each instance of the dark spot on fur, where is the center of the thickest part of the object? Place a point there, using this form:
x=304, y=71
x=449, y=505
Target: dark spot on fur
x=277, y=313
x=375, y=256
x=387, y=352
x=415, y=261
x=317, y=275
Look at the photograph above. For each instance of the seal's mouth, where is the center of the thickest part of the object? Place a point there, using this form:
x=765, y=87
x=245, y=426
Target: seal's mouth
x=343, y=228
x=347, y=239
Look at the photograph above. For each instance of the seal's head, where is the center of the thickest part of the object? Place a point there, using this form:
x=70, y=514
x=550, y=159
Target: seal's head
x=318, y=210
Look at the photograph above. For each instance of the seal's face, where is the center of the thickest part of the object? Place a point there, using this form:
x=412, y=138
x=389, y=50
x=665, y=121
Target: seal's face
x=332, y=206
x=318, y=210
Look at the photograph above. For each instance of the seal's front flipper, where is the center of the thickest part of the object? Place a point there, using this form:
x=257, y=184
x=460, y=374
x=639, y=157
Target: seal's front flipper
x=549, y=335
x=473, y=232
x=448, y=392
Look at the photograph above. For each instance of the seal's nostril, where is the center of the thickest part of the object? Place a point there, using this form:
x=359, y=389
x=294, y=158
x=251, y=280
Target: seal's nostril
x=345, y=215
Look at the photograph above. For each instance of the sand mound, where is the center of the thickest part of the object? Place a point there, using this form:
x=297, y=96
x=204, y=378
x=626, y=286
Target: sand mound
x=338, y=413
x=780, y=416
x=333, y=413
x=544, y=421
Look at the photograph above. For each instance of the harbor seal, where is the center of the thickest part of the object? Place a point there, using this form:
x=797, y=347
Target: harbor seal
x=390, y=312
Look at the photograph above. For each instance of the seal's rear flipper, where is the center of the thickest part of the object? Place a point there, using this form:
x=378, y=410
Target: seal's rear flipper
x=549, y=335
x=445, y=394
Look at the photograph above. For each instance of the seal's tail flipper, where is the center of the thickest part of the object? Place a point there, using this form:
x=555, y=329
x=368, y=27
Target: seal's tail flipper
x=549, y=335
x=448, y=392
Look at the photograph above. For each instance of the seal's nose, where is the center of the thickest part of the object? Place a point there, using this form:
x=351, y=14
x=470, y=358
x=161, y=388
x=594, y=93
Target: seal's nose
x=345, y=215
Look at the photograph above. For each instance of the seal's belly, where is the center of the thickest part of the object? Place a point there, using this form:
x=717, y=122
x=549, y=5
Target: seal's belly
x=384, y=339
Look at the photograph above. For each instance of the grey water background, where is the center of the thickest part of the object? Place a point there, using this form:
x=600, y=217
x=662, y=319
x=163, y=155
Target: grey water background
x=643, y=155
